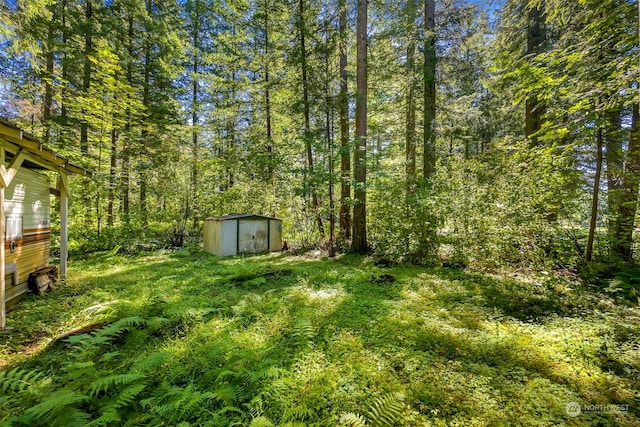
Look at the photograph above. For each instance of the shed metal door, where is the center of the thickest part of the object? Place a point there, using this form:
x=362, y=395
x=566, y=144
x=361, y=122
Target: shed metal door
x=253, y=236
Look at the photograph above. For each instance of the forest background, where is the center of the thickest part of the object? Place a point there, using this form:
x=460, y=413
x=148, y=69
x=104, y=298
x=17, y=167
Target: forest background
x=497, y=134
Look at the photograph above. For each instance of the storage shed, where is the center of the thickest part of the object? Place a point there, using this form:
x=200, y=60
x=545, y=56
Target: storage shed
x=242, y=234
x=24, y=211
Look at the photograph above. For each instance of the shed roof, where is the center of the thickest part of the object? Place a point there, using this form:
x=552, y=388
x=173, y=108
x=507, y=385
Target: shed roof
x=239, y=216
x=38, y=155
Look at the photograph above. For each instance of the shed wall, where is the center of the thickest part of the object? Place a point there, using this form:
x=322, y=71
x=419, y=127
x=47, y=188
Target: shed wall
x=211, y=237
x=275, y=235
x=228, y=246
x=253, y=235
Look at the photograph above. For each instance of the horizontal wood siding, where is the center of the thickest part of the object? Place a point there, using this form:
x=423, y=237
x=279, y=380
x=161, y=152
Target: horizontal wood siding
x=27, y=198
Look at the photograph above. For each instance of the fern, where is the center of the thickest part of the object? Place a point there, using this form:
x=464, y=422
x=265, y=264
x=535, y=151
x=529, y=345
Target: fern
x=17, y=380
x=80, y=369
x=387, y=410
x=352, y=420
x=113, y=330
x=177, y=403
x=57, y=409
x=226, y=394
x=298, y=413
x=261, y=422
x=110, y=416
x=128, y=395
x=113, y=381
x=151, y=362
x=303, y=333
x=111, y=356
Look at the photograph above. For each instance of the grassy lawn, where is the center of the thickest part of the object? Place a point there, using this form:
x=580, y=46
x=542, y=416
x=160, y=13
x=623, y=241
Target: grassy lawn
x=183, y=338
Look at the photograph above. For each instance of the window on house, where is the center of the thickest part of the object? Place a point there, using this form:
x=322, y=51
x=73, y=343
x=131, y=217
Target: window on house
x=13, y=227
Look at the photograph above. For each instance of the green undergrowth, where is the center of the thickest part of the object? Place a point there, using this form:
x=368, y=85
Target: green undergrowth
x=180, y=338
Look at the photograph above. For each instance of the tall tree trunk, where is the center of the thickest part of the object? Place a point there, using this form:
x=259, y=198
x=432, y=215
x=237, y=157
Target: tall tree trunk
x=267, y=93
x=65, y=74
x=343, y=107
x=630, y=183
x=231, y=147
x=359, y=243
x=126, y=150
x=594, y=198
x=113, y=164
x=86, y=74
x=429, y=140
x=194, y=118
x=629, y=192
x=410, y=129
x=329, y=138
x=48, y=84
x=536, y=43
x=86, y=83
x=615, y=165
x=142, y=175
x=308, y=137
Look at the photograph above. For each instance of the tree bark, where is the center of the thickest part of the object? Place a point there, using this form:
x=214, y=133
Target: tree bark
x=142, y=176
x=86, y=74
x=343, y=108
x=410, y=128
x=126, y=149
x=231, y=146
x=536, y=43
x=267, y=93
x=195, y=118
x=308, y=137
x=629, y=192
x=594, y=199
x=65, y=73
x=113, y=163
x=48, y=91
x=329, y=135
x=429, y=140
x=359, y=243
x=615, y=176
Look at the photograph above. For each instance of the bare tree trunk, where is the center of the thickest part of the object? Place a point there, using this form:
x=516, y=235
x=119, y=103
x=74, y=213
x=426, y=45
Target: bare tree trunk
x=629, y=191
x=429, y=140
x=65, y=73
x=536, y=43
x=308, y=137
x=232, y=130
x=86, y=83
x=194, y=119
x=410, y=130
x=142, y=175
x=112, y=175
x=86, y=75
x=630, y=183
x=48, y=85
x=267, y=93
x=126, y=149
x=594, y=198
x=345, y=151
x=329, y=137
x=615, y=175
x=359, y=243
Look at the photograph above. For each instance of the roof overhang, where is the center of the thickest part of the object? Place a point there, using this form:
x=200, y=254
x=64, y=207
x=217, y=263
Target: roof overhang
x=38, y=156
x=240, y=216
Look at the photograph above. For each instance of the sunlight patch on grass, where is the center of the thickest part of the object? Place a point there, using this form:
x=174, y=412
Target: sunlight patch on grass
x=293, y=340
